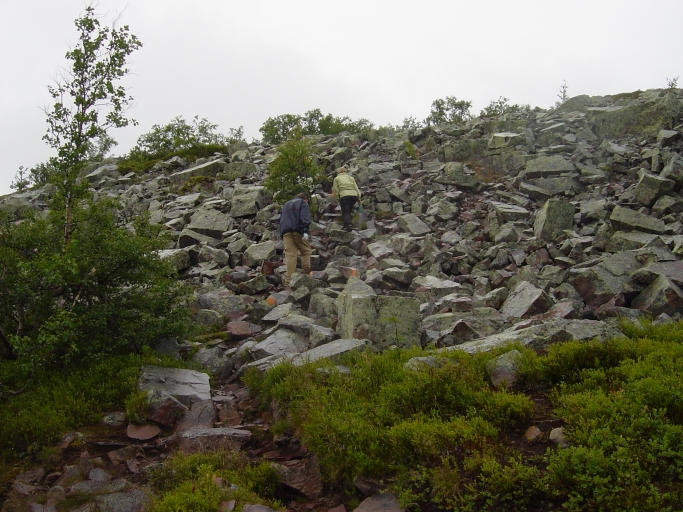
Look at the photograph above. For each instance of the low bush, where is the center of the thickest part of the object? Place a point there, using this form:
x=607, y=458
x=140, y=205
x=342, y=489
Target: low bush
x=200, y=482
x=443, y=438
x=57, y=402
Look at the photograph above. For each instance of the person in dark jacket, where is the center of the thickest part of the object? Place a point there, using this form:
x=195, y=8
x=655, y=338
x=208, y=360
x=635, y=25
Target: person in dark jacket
x=294, y=221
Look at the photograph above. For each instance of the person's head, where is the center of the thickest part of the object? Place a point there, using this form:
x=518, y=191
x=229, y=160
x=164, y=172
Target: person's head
x=341, y=170
x=303, y=196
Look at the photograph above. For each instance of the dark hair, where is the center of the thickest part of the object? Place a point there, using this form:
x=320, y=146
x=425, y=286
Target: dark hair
x=302, y=196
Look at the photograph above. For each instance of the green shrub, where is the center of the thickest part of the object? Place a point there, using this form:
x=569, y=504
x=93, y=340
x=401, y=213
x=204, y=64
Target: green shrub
x=293, y=171
x=279, y=129
x=136, y=407
x=449, y=110
x=382, y=420
x=57, y=402
x=410, y=149
x=200, y=482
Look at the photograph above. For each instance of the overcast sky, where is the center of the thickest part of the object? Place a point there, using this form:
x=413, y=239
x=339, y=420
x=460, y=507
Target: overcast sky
x=237, y=63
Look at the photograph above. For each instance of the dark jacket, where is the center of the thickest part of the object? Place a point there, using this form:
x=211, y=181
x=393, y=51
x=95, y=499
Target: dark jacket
x=295, y=217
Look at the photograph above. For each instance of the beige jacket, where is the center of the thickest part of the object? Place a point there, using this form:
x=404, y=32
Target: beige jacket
x=345, y=185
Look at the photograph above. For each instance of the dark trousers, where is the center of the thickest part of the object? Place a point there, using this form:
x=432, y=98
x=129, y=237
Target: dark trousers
x=346, y=204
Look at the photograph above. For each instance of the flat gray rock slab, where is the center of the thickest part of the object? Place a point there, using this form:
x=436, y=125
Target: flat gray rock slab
x=201, y=439
x=541, y=335
x=281, y=343
x=188, y=386
x=332, y=350
x=385, y=502
x=134, y=500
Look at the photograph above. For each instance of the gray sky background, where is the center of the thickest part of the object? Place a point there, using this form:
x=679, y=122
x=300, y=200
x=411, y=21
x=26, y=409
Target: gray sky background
x=239, y=62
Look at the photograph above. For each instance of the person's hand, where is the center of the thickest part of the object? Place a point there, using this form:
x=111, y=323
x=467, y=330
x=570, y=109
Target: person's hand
x=305, y=237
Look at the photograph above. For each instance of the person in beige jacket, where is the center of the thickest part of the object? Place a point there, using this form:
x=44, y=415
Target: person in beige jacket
x=345, y=188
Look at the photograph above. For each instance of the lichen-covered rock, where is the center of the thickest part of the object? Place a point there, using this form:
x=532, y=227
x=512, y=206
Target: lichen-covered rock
x=383, y=320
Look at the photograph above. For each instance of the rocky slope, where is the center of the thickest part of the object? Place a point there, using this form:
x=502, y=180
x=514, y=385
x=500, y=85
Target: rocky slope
x=537, y=227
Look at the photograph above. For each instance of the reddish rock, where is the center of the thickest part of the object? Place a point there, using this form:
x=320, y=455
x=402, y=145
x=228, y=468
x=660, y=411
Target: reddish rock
x=242, y=330
x=532, y=433
x=610, y=308
x=461, y=304
x=662, y=296
x=304, y=476
x=268, y=267
x=566, y=309
x=348, y=272
x=142, y=432
x=202, y=414
x=229, y=415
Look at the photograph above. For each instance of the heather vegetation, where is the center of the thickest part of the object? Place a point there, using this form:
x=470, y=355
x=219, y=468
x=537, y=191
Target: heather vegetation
x=442, y=438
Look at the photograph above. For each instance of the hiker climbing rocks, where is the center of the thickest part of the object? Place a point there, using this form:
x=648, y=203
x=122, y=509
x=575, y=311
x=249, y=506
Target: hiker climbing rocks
x=345, y=188
x=294, y=221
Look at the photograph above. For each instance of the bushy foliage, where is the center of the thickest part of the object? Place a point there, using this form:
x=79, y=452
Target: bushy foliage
x=293, y=171
x=200, y=482
x=500, y=107
x=449, y=110
x=59, y=401
x=179, y=138
x=81, y=281
x=179, y=135
x=383, y=420
x=279, y=129
x=104, y=291
x=435, y=433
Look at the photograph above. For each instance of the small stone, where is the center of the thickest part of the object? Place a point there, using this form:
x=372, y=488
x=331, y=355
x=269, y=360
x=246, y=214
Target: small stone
x=557, y=437
x=142, y=432
x=532, y=433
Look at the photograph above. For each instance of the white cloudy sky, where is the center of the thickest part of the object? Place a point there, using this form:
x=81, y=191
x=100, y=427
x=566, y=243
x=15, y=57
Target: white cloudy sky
x=239, y=62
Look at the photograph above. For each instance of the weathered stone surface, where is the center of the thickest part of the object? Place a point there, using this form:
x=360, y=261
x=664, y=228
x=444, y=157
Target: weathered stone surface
x=200, y=439
x=178, y=258
x=545, y=166
x=205, y=169
x=188, y=386
x=662, y=296
x=303, y=475
x=163, y=408
x=133, y=500
x=503, y=369
x=246, y=201
x=383, y=320
x=217, y=360
x=509, y=212
x=189, y=238
x=255, y=285
x=434, y=286
x=526, y=300
x=674, y=169
x=541, y=335
x=628, y=241
x=256, y=254
x=210, y=222
x=332, y=350
x=281, y=343
x=202, y=414
x=384, y=502
x=412, y=224
x=555, y=216
x=625, y=219
x=142, y=432
x=651, y=187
